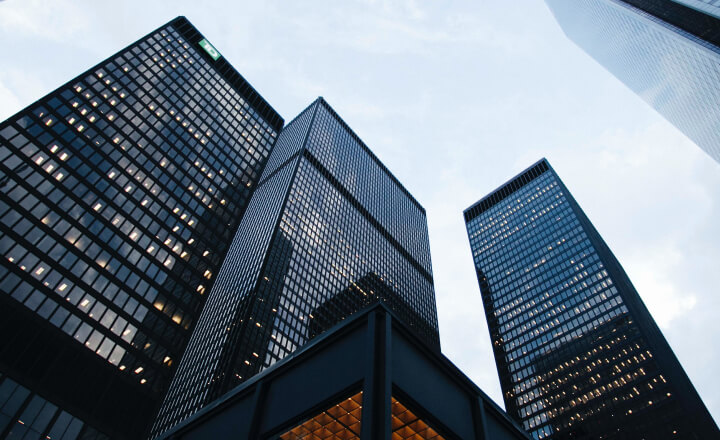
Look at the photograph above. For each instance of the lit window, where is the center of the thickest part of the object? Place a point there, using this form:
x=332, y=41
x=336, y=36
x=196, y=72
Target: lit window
x=339, y=421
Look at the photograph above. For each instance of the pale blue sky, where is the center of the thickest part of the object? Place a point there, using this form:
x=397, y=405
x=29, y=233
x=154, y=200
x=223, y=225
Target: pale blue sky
x=455, y=98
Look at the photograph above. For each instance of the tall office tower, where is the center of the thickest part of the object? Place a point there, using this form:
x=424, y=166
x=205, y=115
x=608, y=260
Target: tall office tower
x=577, y=352
x=326, y=221
x=119, y=195
x=666, y=52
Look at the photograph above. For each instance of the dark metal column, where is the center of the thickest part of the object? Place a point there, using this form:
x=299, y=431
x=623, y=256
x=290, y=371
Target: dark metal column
x=479, y=418
x=377, y=386
x=258, y=410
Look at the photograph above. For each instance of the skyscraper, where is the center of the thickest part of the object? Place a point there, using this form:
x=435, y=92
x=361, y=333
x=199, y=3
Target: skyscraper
x=577, y=352
x=327, y=228
x=666, y=51
x=119, y=195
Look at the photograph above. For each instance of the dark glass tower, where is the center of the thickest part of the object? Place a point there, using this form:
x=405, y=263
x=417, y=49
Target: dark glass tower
x=711, y=7
x=327, y=231
x=119, y=195
x=666, y=52
x=577, y=352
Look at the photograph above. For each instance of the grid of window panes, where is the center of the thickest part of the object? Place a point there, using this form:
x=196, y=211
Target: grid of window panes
x=570, y=358
x=330, y=246
x=360, y=172
x=201, y=362
x=304, y=238
x=360, y=293
x=120, y=194
x=190, y=385
x=674, y=71
x=24, y=414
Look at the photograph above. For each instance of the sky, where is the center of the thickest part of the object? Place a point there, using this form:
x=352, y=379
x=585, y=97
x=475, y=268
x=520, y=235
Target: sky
x=455, y=97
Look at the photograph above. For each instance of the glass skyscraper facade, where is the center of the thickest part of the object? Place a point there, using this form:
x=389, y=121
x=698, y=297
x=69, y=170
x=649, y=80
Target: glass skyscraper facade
x=668, y=52
x=120, y=193
x=328, y=230
x=577, y=352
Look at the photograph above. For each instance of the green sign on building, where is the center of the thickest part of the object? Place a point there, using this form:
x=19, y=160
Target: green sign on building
x=205, y=44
